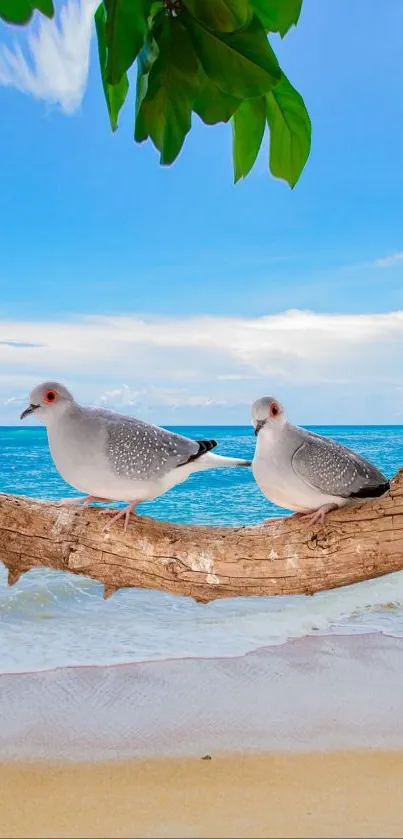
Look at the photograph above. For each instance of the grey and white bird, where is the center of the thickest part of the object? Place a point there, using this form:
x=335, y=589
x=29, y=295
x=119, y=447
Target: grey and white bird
x=305, y=472
x=112, y=457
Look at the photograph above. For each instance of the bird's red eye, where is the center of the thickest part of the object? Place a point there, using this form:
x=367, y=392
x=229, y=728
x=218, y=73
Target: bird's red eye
x=274, y=410
x=50, y=396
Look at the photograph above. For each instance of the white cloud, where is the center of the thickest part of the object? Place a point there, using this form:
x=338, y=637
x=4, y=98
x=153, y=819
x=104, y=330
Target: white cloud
x=389, y=261
x=182, y=369
x=17, y=400
x=150, y=396
x=53, y=66
x=235, y=377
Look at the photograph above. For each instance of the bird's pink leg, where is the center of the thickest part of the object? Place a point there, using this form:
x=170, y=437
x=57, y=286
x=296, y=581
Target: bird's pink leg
x=318, y=515
x=131, y=508
x=85, y=500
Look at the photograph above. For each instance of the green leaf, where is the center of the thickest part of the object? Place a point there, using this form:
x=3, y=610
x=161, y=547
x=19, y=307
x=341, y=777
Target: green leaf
x=45, y=6
x=115, y=95
x=156, y=7
x=211, y=104
x=240, y=63
x=21, y=11
x=145, y=61
x=16, y=11
x=166, y=110
x=290, y=132
x=126, y=27
x=277, y=15
x=248, y=124
x=221, y=15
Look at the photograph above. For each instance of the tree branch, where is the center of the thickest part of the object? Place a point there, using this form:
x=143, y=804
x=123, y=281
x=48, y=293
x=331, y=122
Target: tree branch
x=276, y=557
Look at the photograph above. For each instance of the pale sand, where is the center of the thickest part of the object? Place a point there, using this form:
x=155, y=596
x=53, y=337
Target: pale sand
x=344, y=794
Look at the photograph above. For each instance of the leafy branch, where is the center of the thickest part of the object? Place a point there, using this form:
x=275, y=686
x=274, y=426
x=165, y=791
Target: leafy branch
x=211, y=58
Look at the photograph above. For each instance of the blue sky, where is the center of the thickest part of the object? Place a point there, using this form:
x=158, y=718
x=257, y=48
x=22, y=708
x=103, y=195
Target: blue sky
x=167, y=292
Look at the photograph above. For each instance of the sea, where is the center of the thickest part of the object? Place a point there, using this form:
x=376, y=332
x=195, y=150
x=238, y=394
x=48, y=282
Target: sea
x=53, y=619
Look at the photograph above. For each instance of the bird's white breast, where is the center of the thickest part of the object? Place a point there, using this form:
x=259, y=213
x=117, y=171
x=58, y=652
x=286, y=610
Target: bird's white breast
x=78, y=445
x=275, y=476
x=78, y=455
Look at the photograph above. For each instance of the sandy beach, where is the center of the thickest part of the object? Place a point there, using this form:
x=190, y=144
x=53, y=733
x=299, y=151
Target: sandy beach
x=304, y=739
x=354, y=794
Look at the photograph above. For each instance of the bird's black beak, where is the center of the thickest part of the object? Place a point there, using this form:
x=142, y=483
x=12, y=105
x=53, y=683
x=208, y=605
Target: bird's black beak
x=258, y=426
x=28, y=411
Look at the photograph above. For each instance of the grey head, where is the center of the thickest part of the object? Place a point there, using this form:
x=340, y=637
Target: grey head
x=268, y=412
x=47, y=400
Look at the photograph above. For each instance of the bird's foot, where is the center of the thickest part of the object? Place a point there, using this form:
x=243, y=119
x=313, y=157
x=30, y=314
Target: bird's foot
x=131, y=508
x=85, y=500
x=318, y=516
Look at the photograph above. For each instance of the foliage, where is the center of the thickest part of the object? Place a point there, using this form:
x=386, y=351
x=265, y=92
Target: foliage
x=212, y=58
x=21, y=11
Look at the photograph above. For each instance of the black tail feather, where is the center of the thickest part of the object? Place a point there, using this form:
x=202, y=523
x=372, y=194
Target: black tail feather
x=371, y=492
x=204, y=446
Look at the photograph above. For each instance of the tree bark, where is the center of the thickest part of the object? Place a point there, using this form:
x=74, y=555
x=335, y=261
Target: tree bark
x=279, y=556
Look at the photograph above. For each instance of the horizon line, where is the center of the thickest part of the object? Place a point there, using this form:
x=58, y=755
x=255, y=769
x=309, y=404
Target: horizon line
x=241, y=425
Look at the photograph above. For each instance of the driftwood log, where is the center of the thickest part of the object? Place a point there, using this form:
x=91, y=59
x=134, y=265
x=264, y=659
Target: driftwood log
x=279, y=556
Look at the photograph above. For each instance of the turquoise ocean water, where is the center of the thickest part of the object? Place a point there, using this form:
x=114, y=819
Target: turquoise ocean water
x=51, y=619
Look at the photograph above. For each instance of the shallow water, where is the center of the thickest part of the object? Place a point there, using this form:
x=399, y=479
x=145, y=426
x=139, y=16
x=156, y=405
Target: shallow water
x=51, y=619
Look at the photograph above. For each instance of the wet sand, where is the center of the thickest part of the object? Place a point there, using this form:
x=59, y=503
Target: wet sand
x=305, y=739
x=350, y=794
x=334, y=693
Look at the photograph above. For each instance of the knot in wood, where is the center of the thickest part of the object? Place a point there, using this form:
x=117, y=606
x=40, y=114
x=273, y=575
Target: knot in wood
x=323, y=539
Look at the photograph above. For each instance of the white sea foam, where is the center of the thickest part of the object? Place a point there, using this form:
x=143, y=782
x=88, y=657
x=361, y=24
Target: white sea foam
x=50, y=619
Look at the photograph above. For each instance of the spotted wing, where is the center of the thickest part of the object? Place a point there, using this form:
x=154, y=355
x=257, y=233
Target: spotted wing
x=336, y=470
x=141, y=451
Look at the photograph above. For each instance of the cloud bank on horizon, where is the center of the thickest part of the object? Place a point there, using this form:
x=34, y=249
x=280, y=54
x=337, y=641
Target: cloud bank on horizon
x=344, y=368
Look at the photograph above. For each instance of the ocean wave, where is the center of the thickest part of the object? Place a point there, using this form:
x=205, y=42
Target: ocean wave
x=53, y=620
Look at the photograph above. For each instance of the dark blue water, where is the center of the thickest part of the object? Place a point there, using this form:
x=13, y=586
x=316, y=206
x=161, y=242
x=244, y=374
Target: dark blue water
x=53, y=619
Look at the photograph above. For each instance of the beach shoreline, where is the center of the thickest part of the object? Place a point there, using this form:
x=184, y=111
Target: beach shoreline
x=318, y=693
